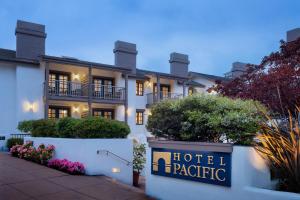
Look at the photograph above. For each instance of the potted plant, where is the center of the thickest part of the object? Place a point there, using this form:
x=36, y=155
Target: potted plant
x=139, y=160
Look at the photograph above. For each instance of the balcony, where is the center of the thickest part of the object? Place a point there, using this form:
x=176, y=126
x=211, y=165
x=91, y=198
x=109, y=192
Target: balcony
x=67, y=90
x=108, y=92
x=153, y=97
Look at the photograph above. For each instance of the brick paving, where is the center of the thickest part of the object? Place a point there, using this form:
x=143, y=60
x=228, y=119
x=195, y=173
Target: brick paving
x=24, y=180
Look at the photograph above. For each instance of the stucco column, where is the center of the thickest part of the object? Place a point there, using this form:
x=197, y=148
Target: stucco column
x=46, y=90
x=158, y=87
x=126, y=98
x=90, y=93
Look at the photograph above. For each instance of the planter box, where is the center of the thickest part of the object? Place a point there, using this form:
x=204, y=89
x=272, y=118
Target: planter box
x=99, y=156
x=250, y=176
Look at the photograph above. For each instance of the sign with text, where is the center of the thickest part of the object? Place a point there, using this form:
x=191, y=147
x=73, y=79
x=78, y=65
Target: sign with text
x=201, y=166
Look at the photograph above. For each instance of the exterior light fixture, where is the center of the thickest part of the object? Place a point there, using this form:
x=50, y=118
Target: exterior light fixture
x=30, y=107
x=115, y=170
x=76, y=77
x=76, y=109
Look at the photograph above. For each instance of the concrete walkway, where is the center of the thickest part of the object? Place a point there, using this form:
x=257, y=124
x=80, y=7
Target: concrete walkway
x=20, y=179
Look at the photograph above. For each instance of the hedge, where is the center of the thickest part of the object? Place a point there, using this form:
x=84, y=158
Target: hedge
x=91, y=127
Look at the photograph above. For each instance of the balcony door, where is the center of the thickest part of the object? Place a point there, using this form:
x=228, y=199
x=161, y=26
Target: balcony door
x=103, y=87
x=59, y=83
x=164, y=91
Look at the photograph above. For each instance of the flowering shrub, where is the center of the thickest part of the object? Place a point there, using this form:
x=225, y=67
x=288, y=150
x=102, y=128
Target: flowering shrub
x=65, y=165
x=27, y=151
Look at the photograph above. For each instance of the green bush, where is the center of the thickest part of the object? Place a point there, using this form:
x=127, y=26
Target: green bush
x=14, y=141
x=206, y=118
x=92, y=127
x=44, y=128
x=66, y=127
x=95, y=127
x=25, y=126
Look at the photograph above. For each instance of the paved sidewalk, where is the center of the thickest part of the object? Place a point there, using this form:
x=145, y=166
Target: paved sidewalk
x=23, y=180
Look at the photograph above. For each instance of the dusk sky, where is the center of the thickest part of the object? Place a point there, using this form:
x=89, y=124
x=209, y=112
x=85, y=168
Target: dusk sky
x=213, y=33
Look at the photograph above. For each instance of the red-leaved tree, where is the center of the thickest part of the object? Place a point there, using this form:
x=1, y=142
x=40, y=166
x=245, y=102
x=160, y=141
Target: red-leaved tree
x=275, y=82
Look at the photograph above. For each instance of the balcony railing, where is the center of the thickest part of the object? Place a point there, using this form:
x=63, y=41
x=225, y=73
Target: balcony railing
x=75, y=89
x=108, y=92
x=67, y=88
x=153, y=97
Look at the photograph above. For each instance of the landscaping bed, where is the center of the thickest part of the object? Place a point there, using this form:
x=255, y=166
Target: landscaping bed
x=43, y=155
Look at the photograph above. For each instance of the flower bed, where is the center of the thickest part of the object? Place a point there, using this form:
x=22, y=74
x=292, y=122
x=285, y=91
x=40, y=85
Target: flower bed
x=43, y=155
x=40, y=155
x=67, y=166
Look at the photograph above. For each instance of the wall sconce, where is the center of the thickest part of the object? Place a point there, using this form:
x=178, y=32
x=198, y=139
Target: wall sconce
x=148, y=84
x=76, y=77
x=76, y=109
x=30, y=107
x=115, y=170
x=129, y=111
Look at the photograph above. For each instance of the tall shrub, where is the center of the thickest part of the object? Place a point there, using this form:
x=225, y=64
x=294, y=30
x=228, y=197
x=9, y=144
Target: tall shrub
x=206, y=118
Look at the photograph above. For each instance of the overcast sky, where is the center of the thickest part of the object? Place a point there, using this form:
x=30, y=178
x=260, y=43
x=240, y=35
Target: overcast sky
x=214, y=33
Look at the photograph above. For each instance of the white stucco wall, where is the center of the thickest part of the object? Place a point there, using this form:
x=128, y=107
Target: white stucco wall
x=85, y=151
x=29, y=91
x=250, y=180
x=135, y=102
x=7, y=101
x=22, y=96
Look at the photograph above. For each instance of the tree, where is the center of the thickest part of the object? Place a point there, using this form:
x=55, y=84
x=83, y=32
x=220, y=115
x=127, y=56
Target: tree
x=275, y=82
x=205, y=118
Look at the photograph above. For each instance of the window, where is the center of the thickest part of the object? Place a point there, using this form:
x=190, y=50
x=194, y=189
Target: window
x=103, y=87
x=191, y=91
x=164, y=91
x=106, y=113
x=139, y=117
x=139, y=88
x=55, y=112
x=59, y=82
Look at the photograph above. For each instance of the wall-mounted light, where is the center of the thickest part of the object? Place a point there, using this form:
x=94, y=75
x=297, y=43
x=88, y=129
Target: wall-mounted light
x=148, y=84
x=76, y=77
x=30, y=106
x=129, y=111
x=115, y=170
x=76, y=109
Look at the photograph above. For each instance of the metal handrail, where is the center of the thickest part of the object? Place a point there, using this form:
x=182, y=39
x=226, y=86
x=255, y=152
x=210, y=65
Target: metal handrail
x=128, y=163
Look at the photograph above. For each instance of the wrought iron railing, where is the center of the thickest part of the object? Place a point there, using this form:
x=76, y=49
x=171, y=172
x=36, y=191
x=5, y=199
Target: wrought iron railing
x=153, y=97
x=67, y=88
x=77, y=89
x=108, y=92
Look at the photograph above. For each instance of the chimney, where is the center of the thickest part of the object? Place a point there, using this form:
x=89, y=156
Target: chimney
x=292, y=35
x=179, y=64
x=30, y=40
x=125, y=55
